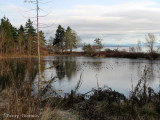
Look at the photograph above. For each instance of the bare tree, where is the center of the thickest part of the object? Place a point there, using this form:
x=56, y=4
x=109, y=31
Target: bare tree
x=39, y=57
x=39, y=38
x=150, y=41
x=38, y=41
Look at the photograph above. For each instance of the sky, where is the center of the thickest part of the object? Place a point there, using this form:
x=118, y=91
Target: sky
x=114, y=21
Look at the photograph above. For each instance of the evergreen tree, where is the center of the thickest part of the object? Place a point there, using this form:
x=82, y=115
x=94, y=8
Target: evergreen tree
x=29, y=29
x=58, y=40
x=21, y=38
x=42, y=38
x=21, y=29
x=30, y=36
x=2, y=37
x=8, y=34
x=70, y=39
x=15, y=33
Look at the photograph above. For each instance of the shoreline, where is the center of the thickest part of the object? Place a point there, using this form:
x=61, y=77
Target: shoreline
x=102, y=54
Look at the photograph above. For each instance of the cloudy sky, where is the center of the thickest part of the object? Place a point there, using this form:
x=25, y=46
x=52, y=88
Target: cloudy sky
x=114, y=21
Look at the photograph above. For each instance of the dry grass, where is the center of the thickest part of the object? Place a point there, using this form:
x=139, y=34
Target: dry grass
x=47, y=114
x=22, y=104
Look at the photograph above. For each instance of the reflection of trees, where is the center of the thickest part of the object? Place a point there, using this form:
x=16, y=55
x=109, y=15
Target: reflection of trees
x=139, y=66
x=60, y=69
x=150, y=71
x=18, y=71
x=66, y=67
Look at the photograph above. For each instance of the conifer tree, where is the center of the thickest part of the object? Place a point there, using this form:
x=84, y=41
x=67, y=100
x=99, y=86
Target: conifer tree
x=30, y=36
x=8, y=36
x=70, y=39
x=20, y=39
x=58, y=40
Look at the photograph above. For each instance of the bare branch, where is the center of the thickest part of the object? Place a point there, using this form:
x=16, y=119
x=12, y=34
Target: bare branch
x=30, y=10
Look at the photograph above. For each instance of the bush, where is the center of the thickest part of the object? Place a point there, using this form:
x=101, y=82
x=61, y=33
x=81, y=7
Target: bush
x=89, y=49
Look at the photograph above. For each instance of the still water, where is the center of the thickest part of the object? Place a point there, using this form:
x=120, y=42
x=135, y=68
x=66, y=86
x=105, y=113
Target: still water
x=118, y=74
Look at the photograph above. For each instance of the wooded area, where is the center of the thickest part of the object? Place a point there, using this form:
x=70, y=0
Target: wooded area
x=20, y=40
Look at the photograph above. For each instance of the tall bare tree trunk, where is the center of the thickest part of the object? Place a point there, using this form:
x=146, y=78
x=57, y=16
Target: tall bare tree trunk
x=39, y=57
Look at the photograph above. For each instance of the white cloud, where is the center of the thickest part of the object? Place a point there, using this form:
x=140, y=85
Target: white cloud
x=125, y=23
x=130, y=18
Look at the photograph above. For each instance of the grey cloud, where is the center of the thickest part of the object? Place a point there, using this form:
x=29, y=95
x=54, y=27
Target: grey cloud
x=136, y=14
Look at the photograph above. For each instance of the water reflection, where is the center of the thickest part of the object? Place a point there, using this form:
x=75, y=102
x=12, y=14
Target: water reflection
x=18, y=71
x=151, y=68
x=115, y=73
x=66, y=67
x=112, y=72
x=69, y=66
x=151, y=71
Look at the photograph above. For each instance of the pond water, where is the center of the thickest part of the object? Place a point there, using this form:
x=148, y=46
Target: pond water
x=117, y=73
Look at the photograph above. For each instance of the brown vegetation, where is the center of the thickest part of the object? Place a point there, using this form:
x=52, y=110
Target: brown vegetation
x=112, y=53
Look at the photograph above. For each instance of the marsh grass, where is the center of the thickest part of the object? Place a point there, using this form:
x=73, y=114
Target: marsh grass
x=22, y=103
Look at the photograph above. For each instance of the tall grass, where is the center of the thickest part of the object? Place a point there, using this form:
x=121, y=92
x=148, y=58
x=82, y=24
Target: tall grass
x=22, y=103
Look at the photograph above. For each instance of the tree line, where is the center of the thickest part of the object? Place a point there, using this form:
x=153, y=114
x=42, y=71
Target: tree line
x=20, y=40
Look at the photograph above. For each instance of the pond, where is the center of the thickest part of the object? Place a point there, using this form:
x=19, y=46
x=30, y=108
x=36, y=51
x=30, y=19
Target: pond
x=117, y=73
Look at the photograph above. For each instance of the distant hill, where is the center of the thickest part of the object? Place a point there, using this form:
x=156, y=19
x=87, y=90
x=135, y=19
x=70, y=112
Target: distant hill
x=128, y=45
x=121, y=45
x=115, y=45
